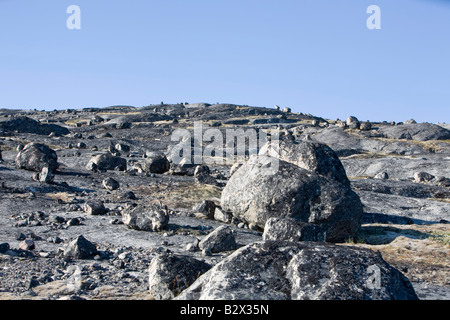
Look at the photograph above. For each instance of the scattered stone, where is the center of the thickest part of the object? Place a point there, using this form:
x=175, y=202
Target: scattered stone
x=222, y=216
x=206, y=179
x=105, y=162
x=353, y=122
x=80, y=248
x=149, y=218
x=94, y=207
x=123, y=147
x=365, y=126
x=383, y=175
x=423, y=177
x=206, y=208
x=156, y=162
x=201, y=170
x=170, y=274
x=27, y=244
x=46, y=175
x=221, y=239
x=4, y=247
x=111, y=184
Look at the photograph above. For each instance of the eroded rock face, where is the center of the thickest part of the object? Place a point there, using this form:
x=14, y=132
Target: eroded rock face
x=274, y=270
x=36, y=156
x=416, y=131
x=285, y=229
x=146, y=218
x=27, y=125
x=292, y=192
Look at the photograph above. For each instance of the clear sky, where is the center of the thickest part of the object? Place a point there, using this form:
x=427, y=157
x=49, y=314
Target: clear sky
x=315, y=56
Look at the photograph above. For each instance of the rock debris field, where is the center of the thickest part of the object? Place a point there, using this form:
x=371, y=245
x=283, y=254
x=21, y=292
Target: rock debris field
x=97, y=205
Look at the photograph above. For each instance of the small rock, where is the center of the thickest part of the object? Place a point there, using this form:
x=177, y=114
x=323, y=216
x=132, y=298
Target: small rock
x=365, y=125
x=221, y=215
x=94, y=207
x=206, y=179
x=170, y=274
x=206, y=208
x=146, y=218
x=383, y=175
x=423, y=177
x=156, y=162
x=111, y=184
x=4, y=247
x=221, y=239
x=27, y=244
x=80, y=248
x=123, y=147
x=353, y=122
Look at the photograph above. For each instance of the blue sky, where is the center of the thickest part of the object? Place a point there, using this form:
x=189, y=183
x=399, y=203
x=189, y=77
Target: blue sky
x=315, y=56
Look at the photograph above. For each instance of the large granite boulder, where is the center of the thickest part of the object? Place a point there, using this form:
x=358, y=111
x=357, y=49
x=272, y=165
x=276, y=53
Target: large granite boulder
x=309, y=155
x=254, y=196
x=279, y=270
x=35, y=157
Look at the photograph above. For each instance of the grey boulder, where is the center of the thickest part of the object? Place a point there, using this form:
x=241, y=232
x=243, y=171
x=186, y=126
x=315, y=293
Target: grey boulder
x=221, y=239
x=107, y=161
x=169, y=274
x=292, y=192
x=279, y=270
x=146, y=218
x=80, y=248
x=156, y=162
x=309, y=155
x=36, y=156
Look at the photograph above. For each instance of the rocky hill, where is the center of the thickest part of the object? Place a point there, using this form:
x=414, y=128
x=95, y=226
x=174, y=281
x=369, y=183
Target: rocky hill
x=201, y=201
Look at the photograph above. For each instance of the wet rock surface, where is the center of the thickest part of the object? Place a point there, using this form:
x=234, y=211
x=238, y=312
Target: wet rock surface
x=54, y=244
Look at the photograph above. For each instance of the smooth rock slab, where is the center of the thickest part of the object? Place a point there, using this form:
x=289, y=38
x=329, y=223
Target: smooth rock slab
x=278, y=270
